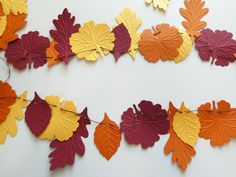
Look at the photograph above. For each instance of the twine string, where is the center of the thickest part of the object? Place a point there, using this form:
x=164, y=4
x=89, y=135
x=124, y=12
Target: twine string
x=9, y=70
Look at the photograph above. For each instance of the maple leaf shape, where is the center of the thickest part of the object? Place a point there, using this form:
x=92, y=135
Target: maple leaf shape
x=65, y=27
x=161, y=43
x=193, y=14
x=52, y=54
x=92, y=40
x=217, y=45
x=7, y=98
x=142, y=127
x=181, y=152
x=161, y=4
x=9, y=125
x=218, y=125
x=63, y=121
x=132, y=23
x=107, y=137
x=14, y=6
x=65, y=151
x=31, y=48
x=122, y=41
x=3, y=24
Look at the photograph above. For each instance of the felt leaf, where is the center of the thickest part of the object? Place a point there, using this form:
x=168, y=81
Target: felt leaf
x=65, y=151
x=218, y=46
x=193, y=14
x=30, y=49
x=181, y=152
x=107, y=137
x=3, y=24
x=132, y=23
x=65, y=27
x=14, y=6
x=52, y=54
x=217, y=124
x=186, y=125
x=122, y=41
x=162, y=42
x=145, y=125
x=185, y=48
x=7, y=98
x=63, y=121
x=9, y=125
x=92, y=40
x=14, y=23
x=161, y=4
x=37, y=115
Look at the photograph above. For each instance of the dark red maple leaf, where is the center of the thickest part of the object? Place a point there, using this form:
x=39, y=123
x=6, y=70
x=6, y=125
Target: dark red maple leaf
x=217, y=45
x=144, y=126
x=122, y=41
x=65, y=151
x=31, y=48
x=65, y=27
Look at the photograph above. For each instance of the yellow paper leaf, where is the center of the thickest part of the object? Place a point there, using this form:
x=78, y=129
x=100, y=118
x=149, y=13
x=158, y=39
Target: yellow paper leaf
x=186, y=125
x=3, y=24
x=14, y=6
x=161, y=4
x=132, y=23
x=185, y=48
x=92, y=40
x=9, y=125
x=63, y=123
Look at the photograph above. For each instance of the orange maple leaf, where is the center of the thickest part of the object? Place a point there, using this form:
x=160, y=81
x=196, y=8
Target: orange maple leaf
x=52, y=54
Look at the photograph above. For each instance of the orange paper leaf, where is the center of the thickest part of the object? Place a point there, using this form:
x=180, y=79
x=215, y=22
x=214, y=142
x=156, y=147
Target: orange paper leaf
x=218, y=125
x=107, y=137
x=52, y=54
x=181, y=152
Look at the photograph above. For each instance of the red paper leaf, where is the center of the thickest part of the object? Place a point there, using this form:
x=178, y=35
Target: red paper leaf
x=144, y=126
x=30, y=49
x=65, y=151
x=38, y=115
x=122, y=41
x=64, y=29
x=217, y=45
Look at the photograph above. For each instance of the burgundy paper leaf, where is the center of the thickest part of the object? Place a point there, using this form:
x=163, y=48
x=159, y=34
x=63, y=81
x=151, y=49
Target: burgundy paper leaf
x=144, y=126
x=64, y=29
x=65, y=151
x=217, y=45
x=38, y=115
x=31, y=48
x=122, y=41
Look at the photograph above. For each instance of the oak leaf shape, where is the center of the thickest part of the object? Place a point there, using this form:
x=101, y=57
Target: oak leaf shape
x=14, y=6
x=161, y=4
x=52, y=54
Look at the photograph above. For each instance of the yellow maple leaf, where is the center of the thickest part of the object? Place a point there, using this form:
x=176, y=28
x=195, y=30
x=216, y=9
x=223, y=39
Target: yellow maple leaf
x=9, y=125
x=14, y=6
x=3, y=24
x=186, y=125
x=92, y=40
x=161, y=4
x=132, y=23
x=63, y=121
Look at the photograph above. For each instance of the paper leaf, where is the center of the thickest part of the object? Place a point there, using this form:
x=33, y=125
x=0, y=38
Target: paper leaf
x=193, y=14
x=218, y=46
x=7, y=98
x=107, y=137
x=37, y=115
x=65, y=27
x=14, y=6
x=9, y=125
x=181, y=152
x=63, y=123
x=132, y=23
x=144, y=126
x=3, y=24
x=14, y=23
x=185, y=48
x=65, y=151
x=161, y=4
x=52, y=54
x=30, y=49
x=92, y=40
x=217, y=124
x=122, y=41
x=162, y=42
x=186, y=125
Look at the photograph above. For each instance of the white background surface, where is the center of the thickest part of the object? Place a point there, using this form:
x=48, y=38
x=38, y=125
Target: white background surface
x=113, y=87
